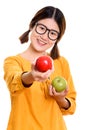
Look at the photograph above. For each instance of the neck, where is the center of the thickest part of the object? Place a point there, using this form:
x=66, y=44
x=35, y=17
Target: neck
x=31, y=54
x=34, y=52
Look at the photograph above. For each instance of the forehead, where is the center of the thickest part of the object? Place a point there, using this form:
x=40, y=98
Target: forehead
x=49, y=23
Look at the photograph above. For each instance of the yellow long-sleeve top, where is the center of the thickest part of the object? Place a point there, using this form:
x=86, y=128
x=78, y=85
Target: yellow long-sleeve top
x=33, y=108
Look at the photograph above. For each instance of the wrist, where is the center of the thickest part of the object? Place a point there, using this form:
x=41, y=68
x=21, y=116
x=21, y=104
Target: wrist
x=64, y=103
x=69, y=104
x=26, y=78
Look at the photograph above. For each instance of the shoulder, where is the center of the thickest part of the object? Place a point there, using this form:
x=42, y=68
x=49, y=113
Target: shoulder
x=62, y=59
x=16, y=60
x=62, y=62
x=11, y=59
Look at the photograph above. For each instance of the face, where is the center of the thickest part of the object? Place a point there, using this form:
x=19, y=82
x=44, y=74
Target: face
x=44, y=34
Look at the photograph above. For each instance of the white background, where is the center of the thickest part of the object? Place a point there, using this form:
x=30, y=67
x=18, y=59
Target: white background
x=14, y=20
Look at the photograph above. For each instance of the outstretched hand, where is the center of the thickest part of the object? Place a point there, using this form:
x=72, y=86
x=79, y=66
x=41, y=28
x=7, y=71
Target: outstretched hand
x=40, y=76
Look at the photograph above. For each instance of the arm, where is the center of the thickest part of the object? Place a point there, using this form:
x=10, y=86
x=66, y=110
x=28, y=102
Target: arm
x=12, y=74
x=71, y=95
x=60, y=97
x=18, y=75
x=66, y=99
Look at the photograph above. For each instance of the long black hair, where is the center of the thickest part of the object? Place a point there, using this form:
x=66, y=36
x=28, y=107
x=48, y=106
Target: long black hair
x=47, y=12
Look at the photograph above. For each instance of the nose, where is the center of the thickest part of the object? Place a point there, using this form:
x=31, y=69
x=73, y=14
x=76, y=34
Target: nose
x=45, y=35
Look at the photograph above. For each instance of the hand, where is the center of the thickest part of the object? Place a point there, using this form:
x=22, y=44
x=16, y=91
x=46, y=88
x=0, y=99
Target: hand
x=40, y=76
x=57, y=95
x=60, y=97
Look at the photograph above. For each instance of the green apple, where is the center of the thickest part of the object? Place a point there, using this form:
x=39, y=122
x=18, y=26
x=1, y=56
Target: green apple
x=59, y=83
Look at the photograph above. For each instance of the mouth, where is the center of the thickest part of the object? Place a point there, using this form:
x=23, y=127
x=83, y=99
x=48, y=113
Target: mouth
x=41, y=42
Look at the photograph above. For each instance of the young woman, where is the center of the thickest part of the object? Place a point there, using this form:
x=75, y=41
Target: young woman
x=35, y=105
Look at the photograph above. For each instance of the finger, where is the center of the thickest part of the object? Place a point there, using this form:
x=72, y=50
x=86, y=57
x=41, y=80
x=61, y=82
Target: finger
x=55, y=92
x=33, y=65
x=50, y=90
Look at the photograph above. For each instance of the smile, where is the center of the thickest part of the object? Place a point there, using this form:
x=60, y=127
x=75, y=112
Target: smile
x=42, y=42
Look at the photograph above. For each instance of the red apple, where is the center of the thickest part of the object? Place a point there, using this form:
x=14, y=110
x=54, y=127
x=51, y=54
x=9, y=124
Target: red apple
x=43, y=63
x=59, y=83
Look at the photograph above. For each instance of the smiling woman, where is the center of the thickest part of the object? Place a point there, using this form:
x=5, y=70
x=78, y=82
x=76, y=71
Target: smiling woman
x=32, y=95
x=42, y=41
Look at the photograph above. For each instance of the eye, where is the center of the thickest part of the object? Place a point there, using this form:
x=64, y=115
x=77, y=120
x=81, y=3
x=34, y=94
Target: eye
x=42, y=28
x=53, y=33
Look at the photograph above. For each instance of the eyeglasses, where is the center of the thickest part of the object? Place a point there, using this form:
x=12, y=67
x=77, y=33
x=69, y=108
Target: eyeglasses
x=42, y=29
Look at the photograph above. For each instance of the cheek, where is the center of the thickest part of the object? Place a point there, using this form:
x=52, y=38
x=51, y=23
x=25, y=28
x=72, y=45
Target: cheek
x=51, y=43
x=33, y=36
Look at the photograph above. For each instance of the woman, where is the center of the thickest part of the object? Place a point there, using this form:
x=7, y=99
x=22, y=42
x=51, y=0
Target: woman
x=35, y=104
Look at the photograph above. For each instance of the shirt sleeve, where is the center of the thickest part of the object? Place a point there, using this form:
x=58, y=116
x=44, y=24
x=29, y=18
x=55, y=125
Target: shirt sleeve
x=71, y=96
x=12, y=74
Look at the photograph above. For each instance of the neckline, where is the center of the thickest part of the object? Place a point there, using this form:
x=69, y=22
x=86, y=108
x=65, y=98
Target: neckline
x=19, y=55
